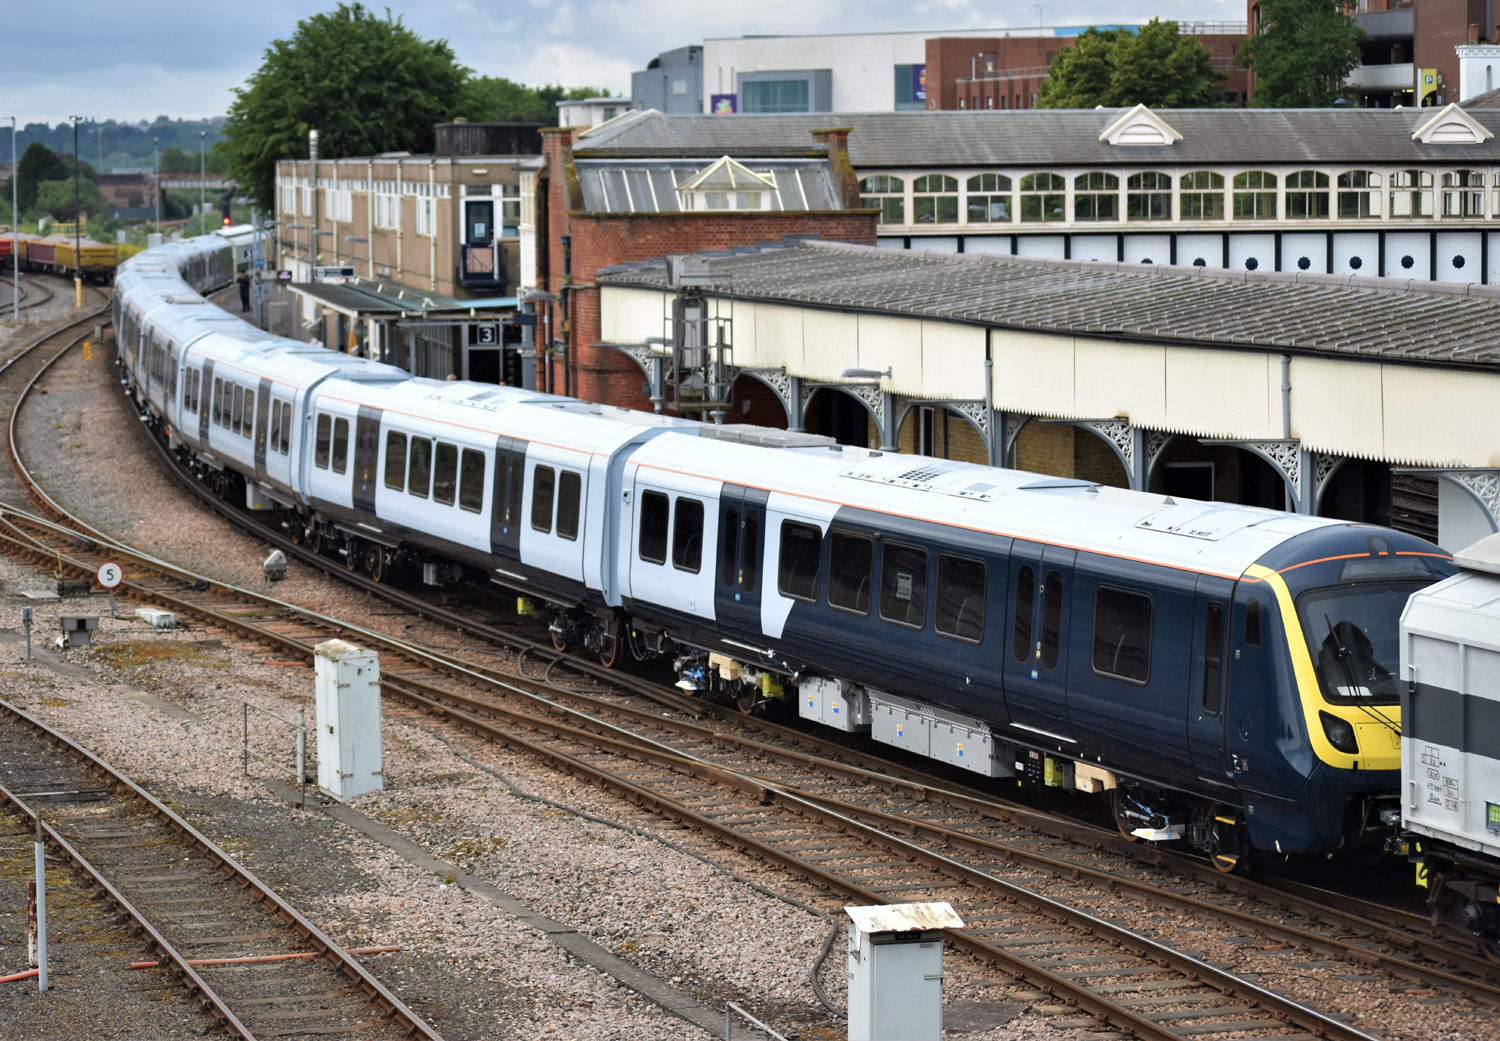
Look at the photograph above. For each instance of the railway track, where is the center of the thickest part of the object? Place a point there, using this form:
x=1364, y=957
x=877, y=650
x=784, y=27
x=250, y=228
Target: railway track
x=188, y=901
x=34, y=293
x=838, y=817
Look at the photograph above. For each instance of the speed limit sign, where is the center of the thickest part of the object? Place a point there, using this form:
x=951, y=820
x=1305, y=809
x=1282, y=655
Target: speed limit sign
x=110, y=575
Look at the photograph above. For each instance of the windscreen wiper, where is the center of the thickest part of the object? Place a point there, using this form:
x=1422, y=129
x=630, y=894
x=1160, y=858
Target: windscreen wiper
x=1346, y=658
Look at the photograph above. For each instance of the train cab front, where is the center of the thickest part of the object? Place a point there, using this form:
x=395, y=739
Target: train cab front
x=1333, y=734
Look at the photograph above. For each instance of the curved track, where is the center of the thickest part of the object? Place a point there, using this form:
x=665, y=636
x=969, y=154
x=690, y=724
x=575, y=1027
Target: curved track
x=169, y=881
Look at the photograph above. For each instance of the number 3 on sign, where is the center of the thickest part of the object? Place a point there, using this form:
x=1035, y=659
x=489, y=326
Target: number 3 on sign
x=110, y=575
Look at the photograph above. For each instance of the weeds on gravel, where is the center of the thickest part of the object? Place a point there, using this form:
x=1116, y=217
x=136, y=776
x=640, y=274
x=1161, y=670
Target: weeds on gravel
x=139, y=653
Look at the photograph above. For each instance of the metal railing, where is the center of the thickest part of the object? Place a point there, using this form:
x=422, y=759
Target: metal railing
x=731, y=1010
x=300, y=727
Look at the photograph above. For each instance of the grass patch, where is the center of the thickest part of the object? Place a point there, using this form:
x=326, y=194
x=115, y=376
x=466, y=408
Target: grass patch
x=137, y=653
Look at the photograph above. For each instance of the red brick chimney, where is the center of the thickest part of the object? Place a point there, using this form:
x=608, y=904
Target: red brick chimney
x=845, y=180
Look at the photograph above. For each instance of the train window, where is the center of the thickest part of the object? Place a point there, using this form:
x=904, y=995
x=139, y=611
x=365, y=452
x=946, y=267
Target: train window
x=517, y=484
x=275, y=424
x=801, y=549
x=249, y=427
x=748, y=573
x=1213, y=658
x=237, y=412
x=395, y=460
x=687, y=536
x=1025, y=605
x=903, y=585
x=1052, y=591
x=652, y=545
x=444, y=472
x=286, y=428
x=172, y=373
x=959, y=610
x=419, y=469
x=1122, y=632
x=731, y=545
x=569, y=492
x=1252, y=623
x=471, y=481
x=218, y=402
x=187, y=392
x=325, y=435
x=341, y=446
x=543, y=479
x=851, y=565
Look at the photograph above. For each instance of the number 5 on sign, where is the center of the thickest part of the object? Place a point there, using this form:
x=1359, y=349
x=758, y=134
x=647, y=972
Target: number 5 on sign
x=110, y=575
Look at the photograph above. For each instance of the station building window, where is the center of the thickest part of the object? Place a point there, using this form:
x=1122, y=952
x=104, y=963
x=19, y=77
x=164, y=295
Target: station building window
x=989, y=199
x=1096, y=196
x=1411, y=194
x=1202, y=195
x=1359, y=193
x=1148, y=196
x=1307, y=195
x=1495, y=197
x=935, y=199
x=886, y=194
x=1255, y=195
x=1463, y=193
x=1043, y=198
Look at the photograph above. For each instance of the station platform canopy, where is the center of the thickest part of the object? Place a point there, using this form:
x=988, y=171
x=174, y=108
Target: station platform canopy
x=374, y=298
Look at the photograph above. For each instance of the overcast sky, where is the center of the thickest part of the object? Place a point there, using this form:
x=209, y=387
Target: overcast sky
x=182, y=59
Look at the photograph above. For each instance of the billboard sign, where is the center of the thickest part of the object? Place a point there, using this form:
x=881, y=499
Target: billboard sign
x=723, y=104
x=919, y=83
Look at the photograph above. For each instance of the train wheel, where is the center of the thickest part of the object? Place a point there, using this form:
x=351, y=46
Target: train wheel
x=745, y=702
x=297, y=532
x=609, y=655
x=315, y=537
x=353, y=550
x=558, y=643
x=374, y=562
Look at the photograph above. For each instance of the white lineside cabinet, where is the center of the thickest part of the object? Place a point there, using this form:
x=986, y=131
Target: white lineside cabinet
x=350, y=761
x=896, y=971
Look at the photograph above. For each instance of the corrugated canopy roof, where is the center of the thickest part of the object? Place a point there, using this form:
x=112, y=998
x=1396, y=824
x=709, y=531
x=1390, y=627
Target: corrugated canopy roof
x=1021, y=137
x=374, y=296
x=1431, y=322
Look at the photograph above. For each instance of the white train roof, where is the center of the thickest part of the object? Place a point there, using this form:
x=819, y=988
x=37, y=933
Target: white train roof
x=1215, y=538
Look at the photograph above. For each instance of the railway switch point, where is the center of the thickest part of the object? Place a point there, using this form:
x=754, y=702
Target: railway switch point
x=896, y=971
x=350, y=760
x=78, y=630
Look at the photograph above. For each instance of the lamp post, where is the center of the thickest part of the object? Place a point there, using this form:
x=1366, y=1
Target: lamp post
x=202, y=182
x=156, y=177
x=77, y=218
x=15, y=225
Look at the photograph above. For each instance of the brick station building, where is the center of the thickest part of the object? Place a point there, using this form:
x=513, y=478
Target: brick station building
x=599, y=205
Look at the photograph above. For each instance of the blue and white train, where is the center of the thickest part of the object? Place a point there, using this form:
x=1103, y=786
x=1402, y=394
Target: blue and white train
x=1225, y=676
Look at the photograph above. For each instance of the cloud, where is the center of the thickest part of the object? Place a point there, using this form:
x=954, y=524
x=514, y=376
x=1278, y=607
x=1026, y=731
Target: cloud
x=134, y=61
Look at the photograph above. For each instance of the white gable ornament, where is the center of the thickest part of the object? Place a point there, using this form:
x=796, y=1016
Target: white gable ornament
x=728, y=185
x=1140, y=126
x=1452, y=126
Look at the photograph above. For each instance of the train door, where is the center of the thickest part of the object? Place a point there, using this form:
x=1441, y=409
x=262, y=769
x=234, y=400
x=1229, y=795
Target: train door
x=742, y=541
x=205, y=395
x=1036, y=651
x=262, y=424
x=366, y=462
x=505, y=516
x=1206, y=678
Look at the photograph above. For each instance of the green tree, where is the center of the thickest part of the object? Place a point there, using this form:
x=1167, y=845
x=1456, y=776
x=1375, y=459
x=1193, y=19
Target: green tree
x=1303, y=53
x=486, y=99
x=1156, y=66
x=57, y=198
x=367, y=84
x=37, y=164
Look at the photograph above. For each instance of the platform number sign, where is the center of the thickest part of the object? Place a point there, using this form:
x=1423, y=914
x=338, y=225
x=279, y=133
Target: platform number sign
x=110, y=575
x=484, y=334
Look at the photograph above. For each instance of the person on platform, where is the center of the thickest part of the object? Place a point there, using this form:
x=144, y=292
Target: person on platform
x=244, y=281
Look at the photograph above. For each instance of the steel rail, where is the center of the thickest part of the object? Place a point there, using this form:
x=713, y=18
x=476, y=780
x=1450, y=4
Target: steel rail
x=324, y=945
x=224, y=1016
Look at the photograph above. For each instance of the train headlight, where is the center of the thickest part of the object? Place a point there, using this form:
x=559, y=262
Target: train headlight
x=1340, y=733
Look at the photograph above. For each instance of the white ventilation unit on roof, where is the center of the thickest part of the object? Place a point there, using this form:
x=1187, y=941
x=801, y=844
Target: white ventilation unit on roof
x=1140, y=126
x=1452, y=126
